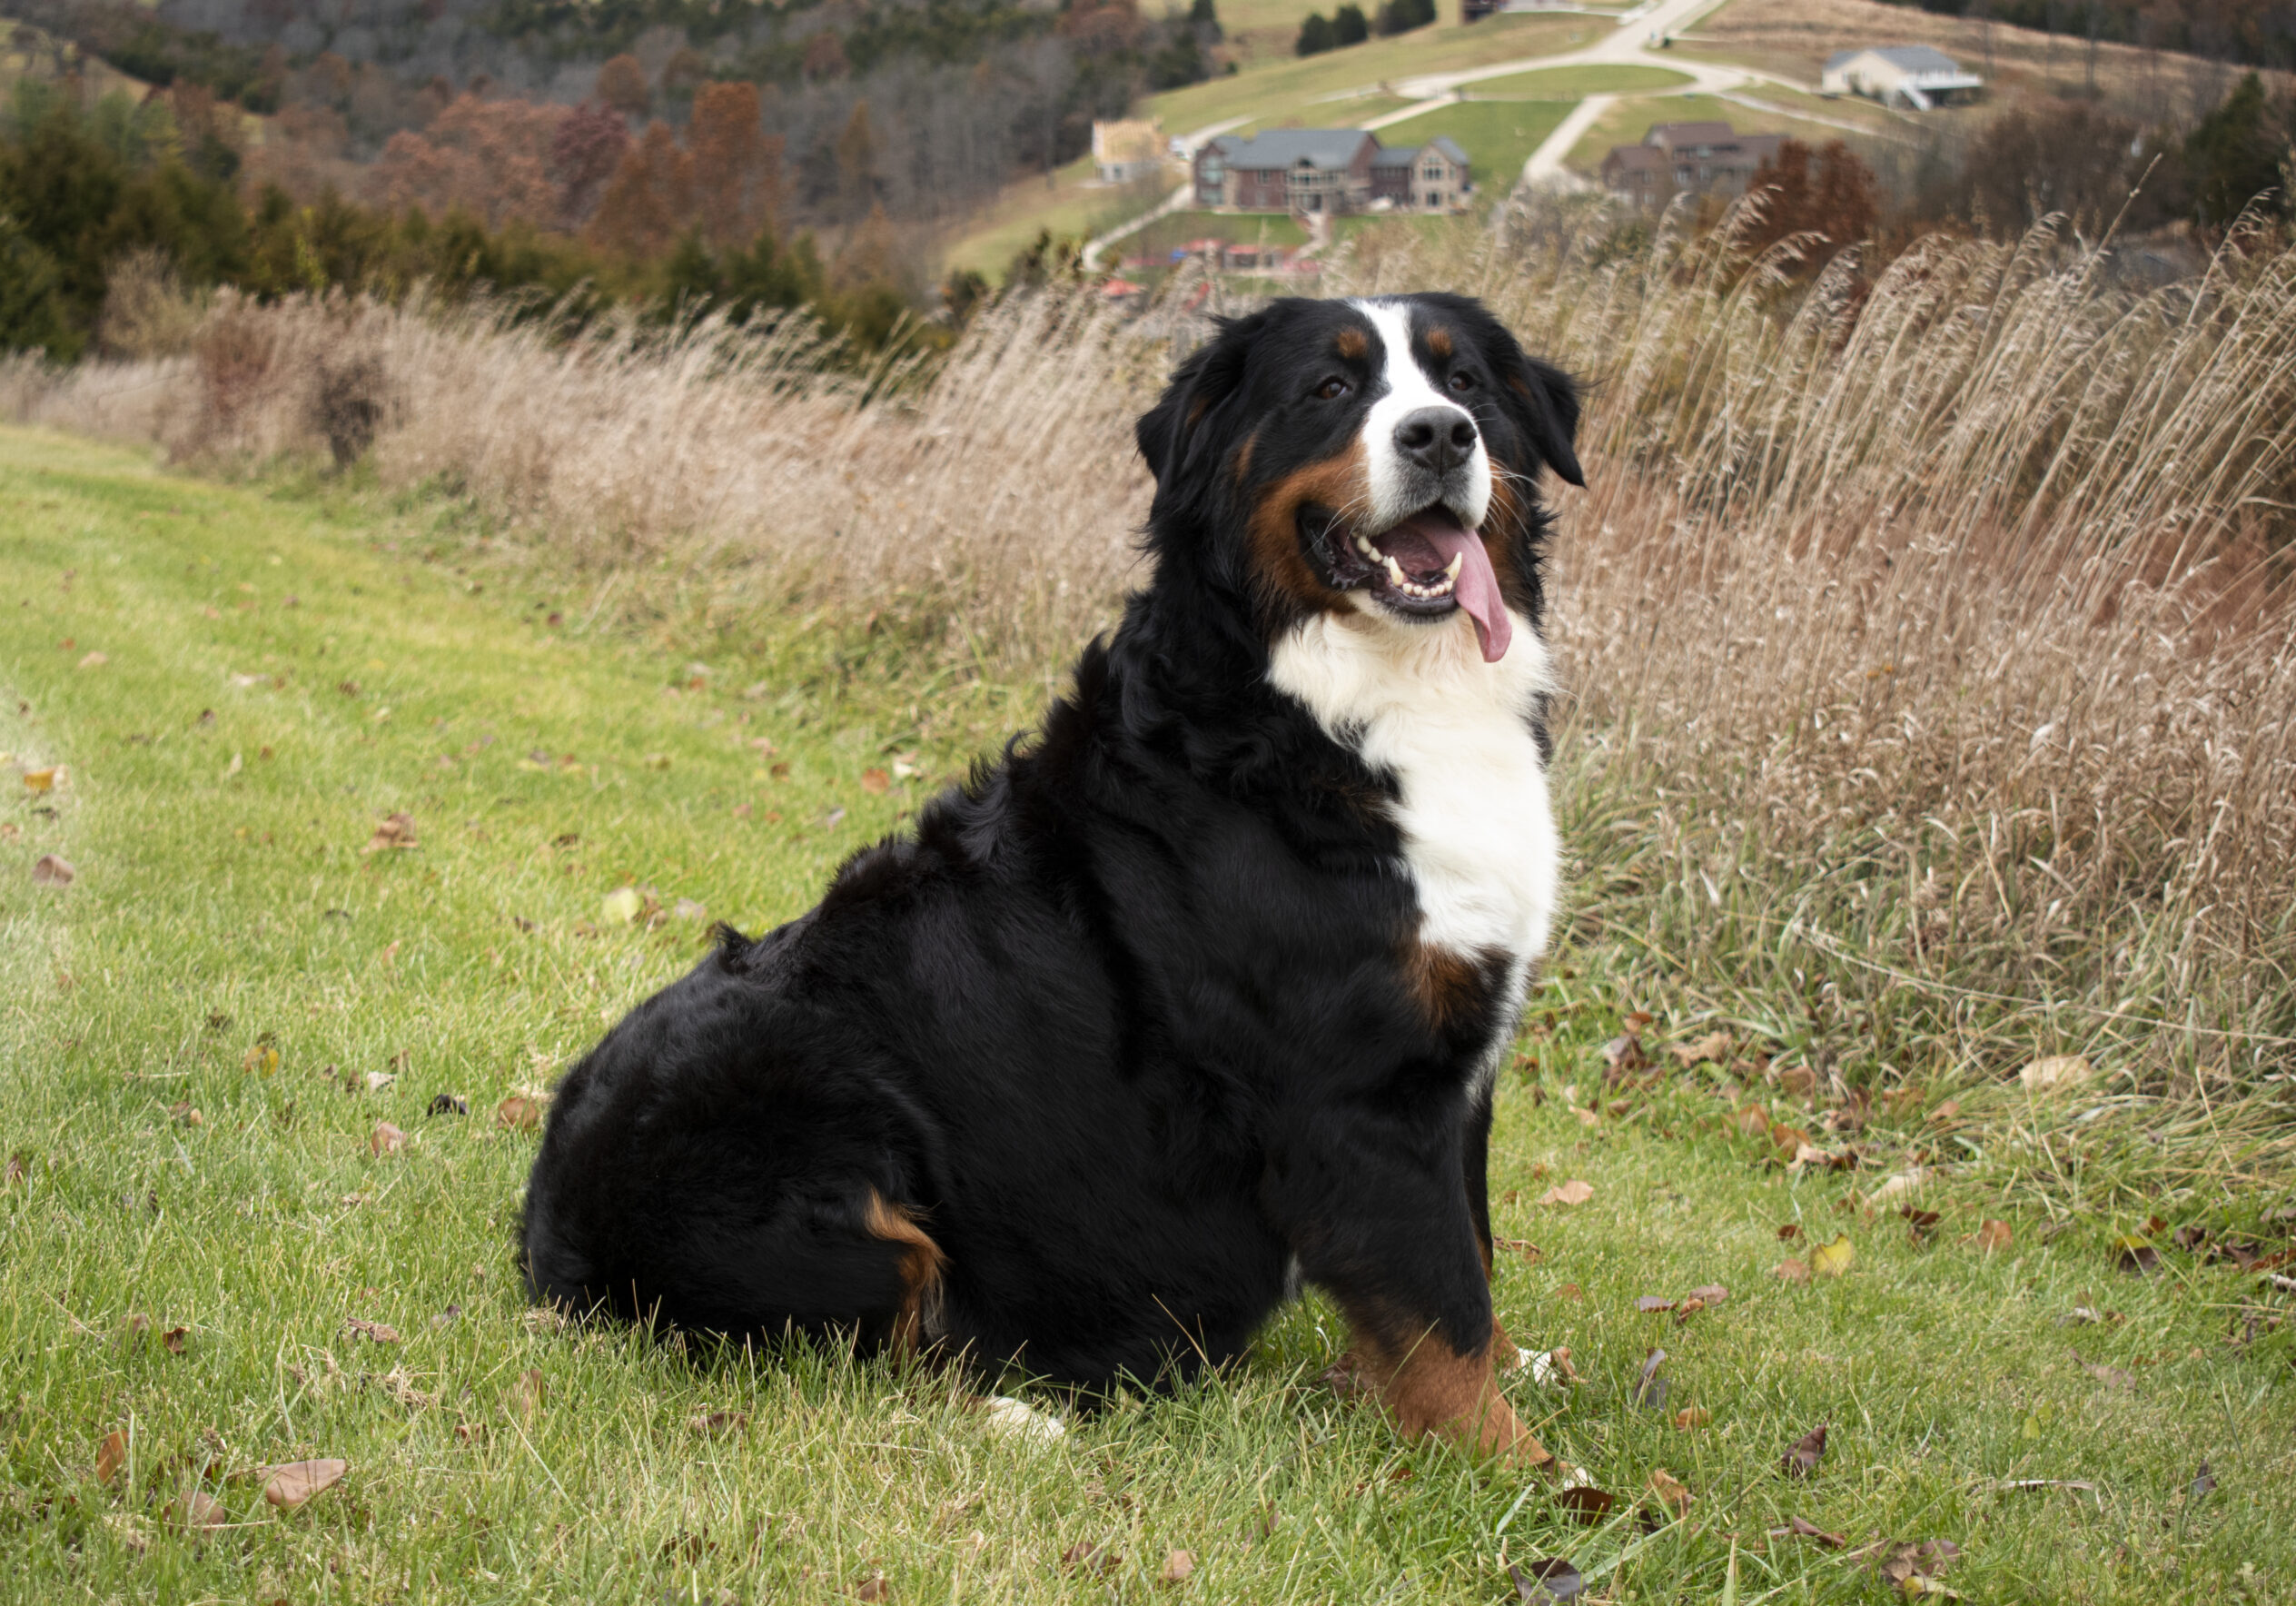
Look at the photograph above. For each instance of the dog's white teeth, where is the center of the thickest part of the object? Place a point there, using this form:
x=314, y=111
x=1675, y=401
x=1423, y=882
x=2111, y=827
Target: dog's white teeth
x=1452, y=572
x=1395, y=576
x=1364, y=546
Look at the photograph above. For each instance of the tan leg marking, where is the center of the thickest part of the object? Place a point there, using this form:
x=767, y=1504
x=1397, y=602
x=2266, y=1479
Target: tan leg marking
x=922, y=1265
x=1429, y=1388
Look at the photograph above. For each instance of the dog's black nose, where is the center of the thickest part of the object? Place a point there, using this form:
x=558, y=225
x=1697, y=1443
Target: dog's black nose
x=1437, y=438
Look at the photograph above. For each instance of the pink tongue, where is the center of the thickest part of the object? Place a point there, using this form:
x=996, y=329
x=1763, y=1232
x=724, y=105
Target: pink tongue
x=1477, y=588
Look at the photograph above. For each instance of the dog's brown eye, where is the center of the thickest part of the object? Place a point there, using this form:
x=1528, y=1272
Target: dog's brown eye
x=1462, y=383
x=1332, y=388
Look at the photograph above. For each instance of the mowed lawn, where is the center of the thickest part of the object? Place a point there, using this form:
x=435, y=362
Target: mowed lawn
x=212, y=1246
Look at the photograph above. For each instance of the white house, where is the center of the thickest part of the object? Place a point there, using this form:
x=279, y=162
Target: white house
x=1127, y=150
x=1912, y=75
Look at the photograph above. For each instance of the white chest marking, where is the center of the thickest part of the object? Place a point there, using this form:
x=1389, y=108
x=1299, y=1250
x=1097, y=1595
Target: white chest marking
x=1419, y=702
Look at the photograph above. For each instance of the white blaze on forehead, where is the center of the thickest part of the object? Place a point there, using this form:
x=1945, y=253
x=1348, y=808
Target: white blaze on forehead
x=1406, y=389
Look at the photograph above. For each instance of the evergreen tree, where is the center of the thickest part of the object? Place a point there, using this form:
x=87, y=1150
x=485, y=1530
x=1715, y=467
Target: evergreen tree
x=1349, y=25
x=2234, y=156
x=1315, y=36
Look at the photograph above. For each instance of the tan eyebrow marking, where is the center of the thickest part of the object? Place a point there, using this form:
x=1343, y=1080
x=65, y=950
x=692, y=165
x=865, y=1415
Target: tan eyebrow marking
x=1439, y=341
x=1353, y=343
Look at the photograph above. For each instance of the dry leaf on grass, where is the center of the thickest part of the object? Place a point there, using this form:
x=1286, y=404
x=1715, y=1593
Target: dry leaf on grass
x=1650, y=1303
x=395, y=831
x=1650, y=1388
x=292, y=1484
x=875, y=781
x=1790, y=1232
x=1831, y=1260
x=1908, y=1568
x=1573, y=1192
x=1670, y=1490
x=195, y=1511
x=521, y=1111
x=1994, y=1235
x=1795, y=1525
x=53, y=870
x=1714, y=1047
x=111, y=1456
x=2203, y=1482
x=1179, y=1566
x=43, y=780
x=2080, y=1485
x=1586, y=1502
x=1084, y=1556
x=1542, y=1582
x=1692, y=1416
x=1903, y=1182
x=526, y=1394
x=873, y=1588
x=1802, y=1459
x=373, y=1332
x=717, y=1424
x=1798, y=1082
x=386, y=1139
x=2058, y=1070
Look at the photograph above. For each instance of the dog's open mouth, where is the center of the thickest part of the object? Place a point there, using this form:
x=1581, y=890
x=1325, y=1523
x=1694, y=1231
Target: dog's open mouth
x=1426, y=566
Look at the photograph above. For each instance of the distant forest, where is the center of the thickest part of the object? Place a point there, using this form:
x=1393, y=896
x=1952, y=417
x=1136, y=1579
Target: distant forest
x=2253, y=33
x=952, y=98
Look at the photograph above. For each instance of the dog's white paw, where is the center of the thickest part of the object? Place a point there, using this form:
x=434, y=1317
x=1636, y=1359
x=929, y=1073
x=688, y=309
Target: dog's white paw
x=1009, y=1418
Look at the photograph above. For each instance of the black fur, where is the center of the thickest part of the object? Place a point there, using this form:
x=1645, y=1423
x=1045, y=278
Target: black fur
x=1123, y=1026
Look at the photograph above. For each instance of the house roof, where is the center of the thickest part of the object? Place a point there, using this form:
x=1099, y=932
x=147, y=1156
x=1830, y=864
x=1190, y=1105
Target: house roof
x=1666, y=135
x=1404, y=155
x=1634, y=158
x=1906, y=58
x=1289, y=147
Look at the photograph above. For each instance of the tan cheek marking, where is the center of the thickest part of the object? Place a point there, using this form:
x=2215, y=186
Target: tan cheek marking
x=921, y=1269
x=1430, y=1388
x=1276, y=557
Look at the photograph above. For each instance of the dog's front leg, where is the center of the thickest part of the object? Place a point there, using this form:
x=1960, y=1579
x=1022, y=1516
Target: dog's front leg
x=1377, y=1216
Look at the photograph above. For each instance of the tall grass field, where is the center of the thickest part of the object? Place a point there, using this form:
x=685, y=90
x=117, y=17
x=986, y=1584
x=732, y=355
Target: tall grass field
x=1915, y=1062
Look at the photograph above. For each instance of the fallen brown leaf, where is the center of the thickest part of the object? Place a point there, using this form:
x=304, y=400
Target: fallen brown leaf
x=521, y=1112
x=395, y=831
x=875, y=780
x=1670, y=1490
x=1179, y=1566
x=195, y=1511
x=1708, y=1294
x=42, y=780
x=1798, y=1082
x=526, y=1394
x=1084, y=1556
x=1792, y=1271
x=373, y=1332
x=52, y=870
x=1832, y=1542
x=1573, y=1192
x=1994, y=1235
x=1586, y=1502
x=717, y=1424
x=292, y=1484
x=1802, y=1459
x=2131, y=1254
x=1650, y=1303
x=1790, y=1232
x=176, y=1340
x=1753, y=1121
x=1714, y=1047
x=1571, y=1291
x=1692, y=1416
x=873, y=1588
x=111, y=1456
x=386, y=1139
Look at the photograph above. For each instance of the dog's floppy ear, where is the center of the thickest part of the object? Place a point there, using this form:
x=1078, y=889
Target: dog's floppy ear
x=1541, y=399
x=1171, y=433
x=1545, y=401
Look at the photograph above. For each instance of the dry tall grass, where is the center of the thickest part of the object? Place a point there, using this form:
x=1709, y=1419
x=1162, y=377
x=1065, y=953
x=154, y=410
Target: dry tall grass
x=1933, y=667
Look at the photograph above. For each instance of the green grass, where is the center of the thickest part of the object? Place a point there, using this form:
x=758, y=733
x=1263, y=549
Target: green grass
x=1577, y=83
x=1629, y=120
x=1284, y=89
x=223, y=906
x=1498, y=137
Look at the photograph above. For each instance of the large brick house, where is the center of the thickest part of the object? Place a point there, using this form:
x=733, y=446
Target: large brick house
x=1702, y=158
x=1326, y=170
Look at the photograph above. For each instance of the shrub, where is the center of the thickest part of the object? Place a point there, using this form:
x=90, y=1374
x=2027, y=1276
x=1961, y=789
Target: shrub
x=1315, y=36
x=1349, y=26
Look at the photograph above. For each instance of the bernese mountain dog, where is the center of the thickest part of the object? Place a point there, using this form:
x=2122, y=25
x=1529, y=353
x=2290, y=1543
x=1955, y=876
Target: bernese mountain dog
x=1199, y=995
